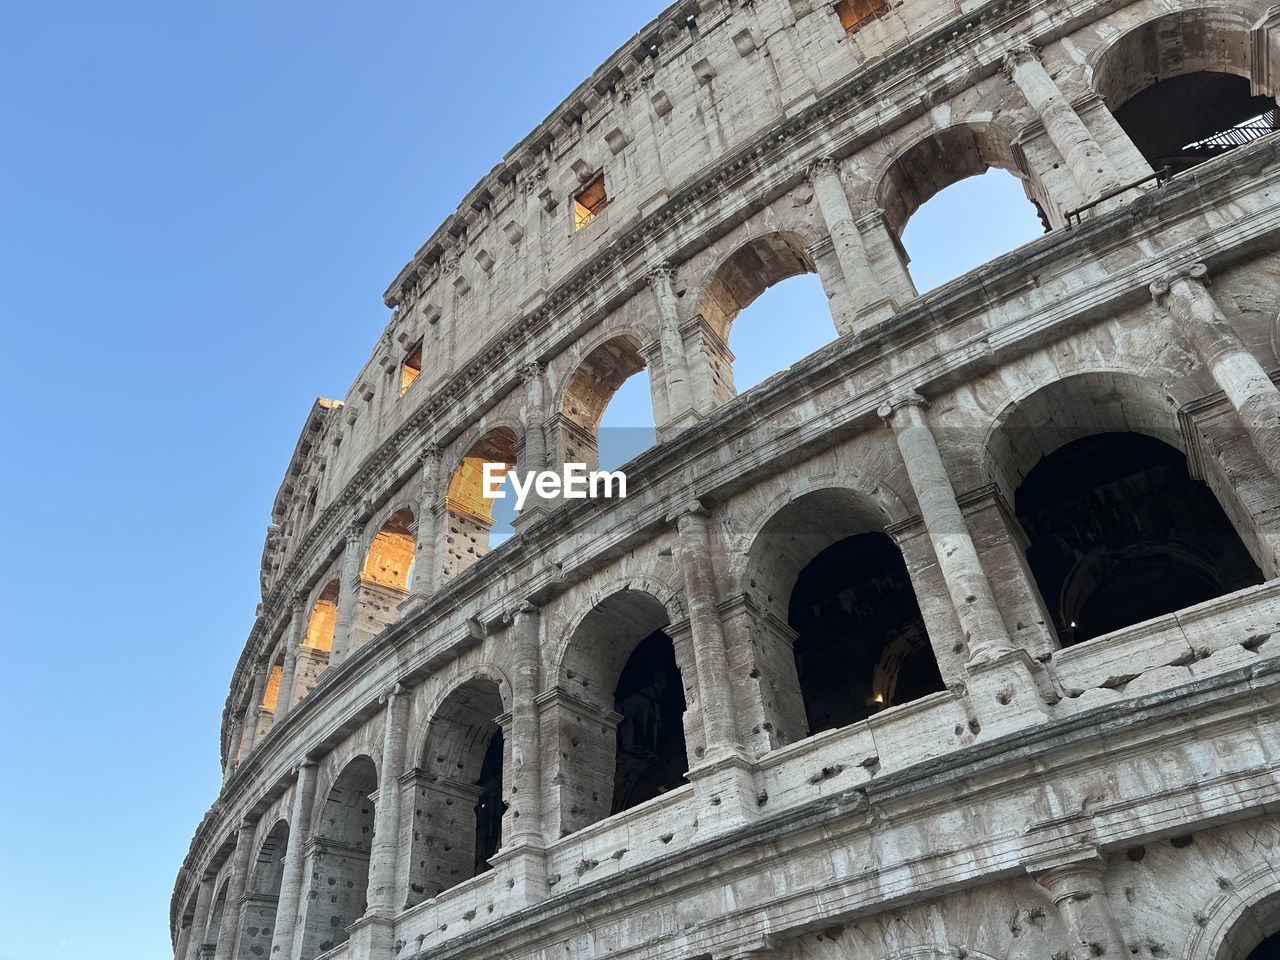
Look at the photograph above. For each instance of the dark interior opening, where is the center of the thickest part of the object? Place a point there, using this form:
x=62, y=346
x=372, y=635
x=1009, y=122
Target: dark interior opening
x=1268, y=949
x=490, y=806
x=1185, y=120
x=651, y=757
x=1119, y=533
x=861, y=644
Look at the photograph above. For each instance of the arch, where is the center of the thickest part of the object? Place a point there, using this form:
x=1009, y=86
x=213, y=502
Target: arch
x=1199, y=60
x=262, y=894
x=389, y=560
x=767, y=258
x=342, y=840
x=323, y=618
x=620, y=727
x=789, y=538
x=459, y=806
x=587, y=393
x=469, y=513
x=213, y=925
x=1239, y=922
x=1117, y=530
x=857, y=642
x=939, y=158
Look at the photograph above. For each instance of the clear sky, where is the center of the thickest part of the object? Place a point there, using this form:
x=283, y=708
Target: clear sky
x=201, y=205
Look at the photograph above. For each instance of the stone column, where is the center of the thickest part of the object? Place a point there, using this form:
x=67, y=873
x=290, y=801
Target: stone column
x=1081, y=898
x=967, y=583
x=525, y=808
x=424, y=557
x=233, y=748
x=290, y=903
x=709, y=653
x=292, y=644
x=534, y=455
x=229, y=930
x=184, y=939
x=1237, y=372
x=1089, y=165
x=261, y=671
x=204, y=899
x=522, y=859
x=675, y=363
x=386, y=827
x=865, y=292
x=348, y=595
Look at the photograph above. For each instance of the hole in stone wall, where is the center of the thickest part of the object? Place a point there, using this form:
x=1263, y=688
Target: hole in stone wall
x=1119, y=533
x=861, y=644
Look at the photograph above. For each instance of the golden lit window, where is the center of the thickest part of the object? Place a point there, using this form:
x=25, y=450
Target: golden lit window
x=854, y=13
x=411, y=369
x=589, y=201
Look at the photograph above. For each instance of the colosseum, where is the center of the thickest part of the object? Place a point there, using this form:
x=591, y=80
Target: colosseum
x=959, y=638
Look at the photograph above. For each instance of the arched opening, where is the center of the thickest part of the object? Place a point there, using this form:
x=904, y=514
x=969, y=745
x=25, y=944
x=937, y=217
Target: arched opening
x=1254, y=931
x=621, y=729
x=1268, y=949
x=770, y=283
x=338, y=891
x=317, y=643
x=649, y=697
x=323, y=619
x=386, y=576
x=1180, y=87
x=186, y=927
x=1118, y=532
x=389, y=562
x=262, y=895
x=270, y=697
x=962, y=174
x=458, y=802
x=214, y=926
x=858, y=643
x=606, y=414
x=474, y=523
x=861, y=644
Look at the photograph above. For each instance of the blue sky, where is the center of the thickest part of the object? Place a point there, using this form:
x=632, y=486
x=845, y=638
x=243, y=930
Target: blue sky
x=201, y=207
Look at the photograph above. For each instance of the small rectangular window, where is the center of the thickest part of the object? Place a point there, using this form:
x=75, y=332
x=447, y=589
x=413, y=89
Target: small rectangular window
x=411, y=369
x=589, y=202
x=854, y=13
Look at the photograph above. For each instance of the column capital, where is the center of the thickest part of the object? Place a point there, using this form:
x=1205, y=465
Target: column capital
x=662, y=273
x=532, y=370
x=1023, y=53
x=824, y=167
x=395, y=690
x=520, y=609
x=354, y=532
x=1197, y=272
x=298, y=601
x=910, y=399
x=430, y=455
x=691, y=508
x=311, y=765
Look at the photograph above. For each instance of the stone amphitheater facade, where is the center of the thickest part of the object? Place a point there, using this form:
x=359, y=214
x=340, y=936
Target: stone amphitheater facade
x=1024, y=708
